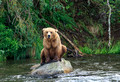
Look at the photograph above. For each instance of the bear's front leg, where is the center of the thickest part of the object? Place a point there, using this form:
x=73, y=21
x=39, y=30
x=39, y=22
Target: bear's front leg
x=42, y=55
x=47, y=57
x=58, y=53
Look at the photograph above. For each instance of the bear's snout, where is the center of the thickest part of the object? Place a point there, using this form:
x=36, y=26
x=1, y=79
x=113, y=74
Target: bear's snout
x=48, y=36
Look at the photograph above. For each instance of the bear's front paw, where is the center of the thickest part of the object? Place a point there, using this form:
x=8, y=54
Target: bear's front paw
x=42, y=64
x=54, y=60
x=59, y=59
x=48, y=60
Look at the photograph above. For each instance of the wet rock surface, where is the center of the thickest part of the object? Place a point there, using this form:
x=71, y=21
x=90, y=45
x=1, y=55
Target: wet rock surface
x=53, y=68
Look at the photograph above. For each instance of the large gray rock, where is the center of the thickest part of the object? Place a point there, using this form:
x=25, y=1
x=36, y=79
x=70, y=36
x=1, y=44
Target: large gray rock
x=59, y=67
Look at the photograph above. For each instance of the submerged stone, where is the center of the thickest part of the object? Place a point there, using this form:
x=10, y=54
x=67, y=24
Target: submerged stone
x=53, y=68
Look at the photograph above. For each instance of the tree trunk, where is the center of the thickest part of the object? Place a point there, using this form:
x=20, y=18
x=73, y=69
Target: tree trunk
x=109, y=26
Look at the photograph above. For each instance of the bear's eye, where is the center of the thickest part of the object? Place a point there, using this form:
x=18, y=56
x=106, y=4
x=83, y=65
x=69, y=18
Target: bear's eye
x=46, y=32
x=51, y=32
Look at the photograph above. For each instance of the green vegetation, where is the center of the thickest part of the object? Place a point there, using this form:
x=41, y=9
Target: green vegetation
x=21, y=23
x=9, y=45
x=102, y=49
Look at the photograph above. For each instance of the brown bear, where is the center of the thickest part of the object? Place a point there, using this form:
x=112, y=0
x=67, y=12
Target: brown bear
x=53, y=49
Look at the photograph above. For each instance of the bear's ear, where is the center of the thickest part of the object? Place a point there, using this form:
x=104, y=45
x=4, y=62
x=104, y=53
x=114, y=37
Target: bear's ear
x=43, y=29
x=56, y=30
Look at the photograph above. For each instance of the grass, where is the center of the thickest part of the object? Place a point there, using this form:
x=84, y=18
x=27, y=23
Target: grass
x=86, y=50
x=101, y=49
x=115, y=49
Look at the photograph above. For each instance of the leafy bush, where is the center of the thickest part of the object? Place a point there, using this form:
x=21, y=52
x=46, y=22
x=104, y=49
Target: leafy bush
x=8, y=44
x=39, y=47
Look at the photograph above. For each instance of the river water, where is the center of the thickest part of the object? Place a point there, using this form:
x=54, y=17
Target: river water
x=96, y=68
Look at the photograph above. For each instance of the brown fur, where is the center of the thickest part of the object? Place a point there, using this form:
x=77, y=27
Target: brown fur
x=53, y=49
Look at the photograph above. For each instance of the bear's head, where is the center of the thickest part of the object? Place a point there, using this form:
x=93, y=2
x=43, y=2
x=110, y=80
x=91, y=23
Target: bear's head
x=50, y=33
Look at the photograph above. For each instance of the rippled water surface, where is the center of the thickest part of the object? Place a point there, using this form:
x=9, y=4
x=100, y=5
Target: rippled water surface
x=96, y=68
